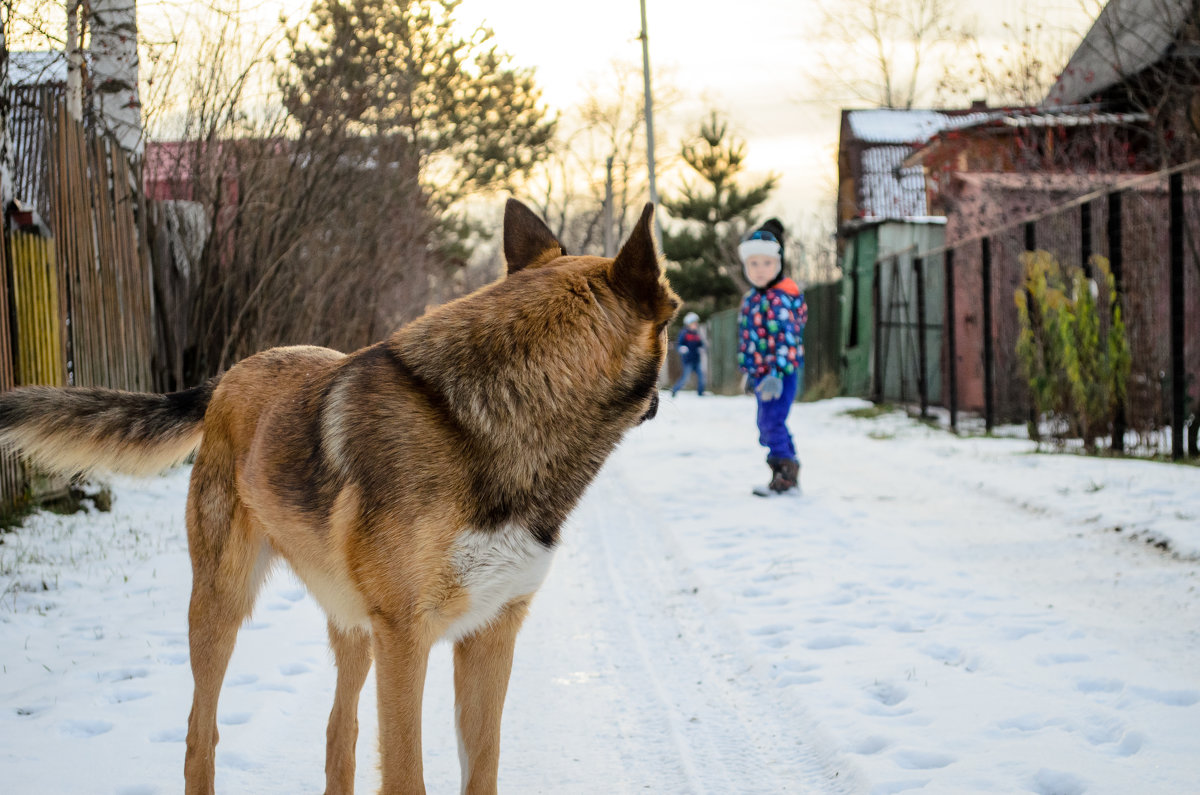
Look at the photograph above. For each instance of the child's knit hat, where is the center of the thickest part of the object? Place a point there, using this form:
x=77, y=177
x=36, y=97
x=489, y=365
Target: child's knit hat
x=691, y=317
x=760, y=241
x=767, y=239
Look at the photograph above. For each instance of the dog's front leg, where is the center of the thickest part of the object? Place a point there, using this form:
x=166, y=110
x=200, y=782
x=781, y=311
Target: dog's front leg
x=482, y=664
x=401, y=644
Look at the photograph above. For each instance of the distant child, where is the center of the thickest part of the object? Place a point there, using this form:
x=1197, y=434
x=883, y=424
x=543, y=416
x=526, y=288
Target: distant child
x=771, y=349
x=690, y=343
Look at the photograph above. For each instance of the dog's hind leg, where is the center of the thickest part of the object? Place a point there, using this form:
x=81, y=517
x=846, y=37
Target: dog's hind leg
x=482, y=664
x=352, y=652
x=230, y=560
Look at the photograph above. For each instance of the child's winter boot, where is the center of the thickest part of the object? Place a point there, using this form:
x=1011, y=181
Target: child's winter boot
x=786, y=475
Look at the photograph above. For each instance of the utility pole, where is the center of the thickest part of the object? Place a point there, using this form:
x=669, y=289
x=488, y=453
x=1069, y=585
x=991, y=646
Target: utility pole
x=645, y=37
x=610, y=248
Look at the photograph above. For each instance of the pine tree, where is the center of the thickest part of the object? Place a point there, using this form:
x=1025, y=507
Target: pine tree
x=435, y=107
x=702, y=257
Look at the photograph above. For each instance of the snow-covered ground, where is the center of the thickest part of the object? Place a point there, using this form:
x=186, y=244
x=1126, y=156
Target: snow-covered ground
x=935, y=614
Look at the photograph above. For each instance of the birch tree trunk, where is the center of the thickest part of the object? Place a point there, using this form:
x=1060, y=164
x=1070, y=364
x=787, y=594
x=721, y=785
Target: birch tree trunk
x=114, y=68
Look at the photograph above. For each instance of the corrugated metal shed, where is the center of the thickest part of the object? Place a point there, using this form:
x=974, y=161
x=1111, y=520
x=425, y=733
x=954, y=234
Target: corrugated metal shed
x=1127, y=37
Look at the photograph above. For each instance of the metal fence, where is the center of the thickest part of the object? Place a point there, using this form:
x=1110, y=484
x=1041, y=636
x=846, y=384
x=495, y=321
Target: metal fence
x=1147, y=229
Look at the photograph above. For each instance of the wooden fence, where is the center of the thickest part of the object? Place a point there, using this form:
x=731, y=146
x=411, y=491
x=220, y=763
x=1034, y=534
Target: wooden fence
x=37, y=305
x=95, y=211
x=78, y=289
x=12, y=475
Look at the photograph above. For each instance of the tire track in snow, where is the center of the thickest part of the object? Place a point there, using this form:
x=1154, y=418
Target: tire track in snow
x=732, y=728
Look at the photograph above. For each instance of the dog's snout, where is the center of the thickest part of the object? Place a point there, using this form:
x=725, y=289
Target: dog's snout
x=650, y=412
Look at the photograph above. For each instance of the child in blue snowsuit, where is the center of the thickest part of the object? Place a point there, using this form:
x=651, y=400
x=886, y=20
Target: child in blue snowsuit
x=771, y=348
x=690, y=343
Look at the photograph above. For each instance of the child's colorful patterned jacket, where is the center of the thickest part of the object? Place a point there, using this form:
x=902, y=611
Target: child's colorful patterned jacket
x=691, y=340
x=771, y=330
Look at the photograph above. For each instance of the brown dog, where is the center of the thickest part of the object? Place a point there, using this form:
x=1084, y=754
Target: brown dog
x=416, y=486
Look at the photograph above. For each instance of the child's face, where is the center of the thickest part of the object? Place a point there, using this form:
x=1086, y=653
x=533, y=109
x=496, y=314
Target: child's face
x=695, y=324
x=761, y=269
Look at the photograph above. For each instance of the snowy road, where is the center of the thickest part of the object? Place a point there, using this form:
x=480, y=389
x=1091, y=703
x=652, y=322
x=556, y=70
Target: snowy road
x=934, y=615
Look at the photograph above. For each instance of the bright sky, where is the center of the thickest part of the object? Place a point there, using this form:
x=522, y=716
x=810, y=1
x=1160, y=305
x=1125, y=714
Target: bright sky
x=751, y=60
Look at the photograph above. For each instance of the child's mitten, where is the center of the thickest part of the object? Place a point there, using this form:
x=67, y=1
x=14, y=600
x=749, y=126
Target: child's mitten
x=770, y=387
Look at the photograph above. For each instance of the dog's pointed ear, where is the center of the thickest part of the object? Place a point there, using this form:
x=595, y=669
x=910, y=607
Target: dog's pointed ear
x=526, y=239
x=636, y=271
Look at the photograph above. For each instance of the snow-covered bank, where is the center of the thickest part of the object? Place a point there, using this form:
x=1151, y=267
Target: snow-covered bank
x=935, y=614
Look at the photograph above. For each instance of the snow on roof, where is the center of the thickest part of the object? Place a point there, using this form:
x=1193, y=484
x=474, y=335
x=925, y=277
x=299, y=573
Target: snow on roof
x=891, y=126
x=1073, y=119
x=36, y=68
x=1127, y=37
x=888, y=190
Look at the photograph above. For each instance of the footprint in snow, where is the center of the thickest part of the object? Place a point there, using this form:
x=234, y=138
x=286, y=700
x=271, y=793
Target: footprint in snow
x=1057, y=782
x=237, y=680
x=1087, y=685
x=123, y=694
x=84, y=728
x=234, y=719
x=1024, y=723
x=905, y=583
x=832, y=642
x=887, y=693
x=869, y=746
x=276, y=687
x=292, y=669
x=771, y=629
x=292, y=594
x=1170, y=698
x=122, y=674
x=175, y=735
x=950, y=655
x=787, y=680
x=795, y=666
x=1101, y=730
x=173, y=658
x=1016, y=633
x=922, y=760
x=1062, y=659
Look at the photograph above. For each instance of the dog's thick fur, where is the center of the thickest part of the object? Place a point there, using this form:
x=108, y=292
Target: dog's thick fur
x=416, y=486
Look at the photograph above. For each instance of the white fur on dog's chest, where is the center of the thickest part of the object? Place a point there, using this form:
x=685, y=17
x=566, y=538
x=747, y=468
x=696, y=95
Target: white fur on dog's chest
x=495, y=567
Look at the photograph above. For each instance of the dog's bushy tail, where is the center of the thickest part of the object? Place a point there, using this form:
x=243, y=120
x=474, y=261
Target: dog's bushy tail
x=83, y=430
